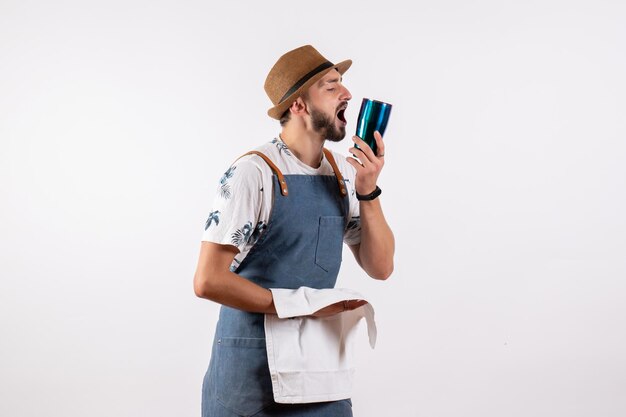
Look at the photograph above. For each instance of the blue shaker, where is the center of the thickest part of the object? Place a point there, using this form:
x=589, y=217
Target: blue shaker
x=373, y=116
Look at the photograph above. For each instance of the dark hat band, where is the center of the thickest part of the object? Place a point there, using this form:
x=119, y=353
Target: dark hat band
x=306, y=78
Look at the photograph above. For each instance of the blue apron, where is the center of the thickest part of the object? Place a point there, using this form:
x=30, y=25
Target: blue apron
x=301, y=246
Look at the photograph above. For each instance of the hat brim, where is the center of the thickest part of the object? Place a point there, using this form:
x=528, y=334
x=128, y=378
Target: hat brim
x=278, y=110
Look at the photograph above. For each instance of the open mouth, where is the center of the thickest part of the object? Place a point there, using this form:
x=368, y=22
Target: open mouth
x=341, y=115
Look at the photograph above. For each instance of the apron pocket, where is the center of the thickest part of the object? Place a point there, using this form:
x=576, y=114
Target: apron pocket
x=243, y=382
x=329, y=240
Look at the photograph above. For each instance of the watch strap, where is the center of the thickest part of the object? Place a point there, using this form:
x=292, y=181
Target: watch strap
x=370, y=196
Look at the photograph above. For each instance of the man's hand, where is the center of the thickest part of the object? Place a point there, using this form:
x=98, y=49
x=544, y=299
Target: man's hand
x=339, y=307
x=368, y=170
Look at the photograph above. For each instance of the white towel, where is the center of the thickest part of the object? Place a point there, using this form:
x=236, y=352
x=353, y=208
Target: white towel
x=311, y=359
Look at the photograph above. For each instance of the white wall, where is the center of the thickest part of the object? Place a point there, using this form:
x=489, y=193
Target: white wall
x=504, y=183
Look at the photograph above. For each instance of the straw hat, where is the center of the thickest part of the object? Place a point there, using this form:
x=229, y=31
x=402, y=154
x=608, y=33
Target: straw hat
x=294, y=73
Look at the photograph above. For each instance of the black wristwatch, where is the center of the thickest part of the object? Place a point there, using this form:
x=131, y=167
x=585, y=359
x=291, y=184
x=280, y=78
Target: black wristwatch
x=370, y=196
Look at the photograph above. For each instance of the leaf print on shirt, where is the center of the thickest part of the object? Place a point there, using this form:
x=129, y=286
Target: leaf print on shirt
x=225, y=191
x=241, y=236
x=258, y=231
x=214, y=216
x=354, y=223
x=234, y=265
x=281, y=147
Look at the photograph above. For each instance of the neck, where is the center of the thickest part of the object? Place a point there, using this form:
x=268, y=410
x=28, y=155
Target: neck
x=305, y=144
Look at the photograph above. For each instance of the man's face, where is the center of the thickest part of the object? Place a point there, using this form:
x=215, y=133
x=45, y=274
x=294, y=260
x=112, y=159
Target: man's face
x=327, y=101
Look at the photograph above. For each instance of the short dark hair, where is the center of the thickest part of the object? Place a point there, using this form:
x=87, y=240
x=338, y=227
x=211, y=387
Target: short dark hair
x=285, y=117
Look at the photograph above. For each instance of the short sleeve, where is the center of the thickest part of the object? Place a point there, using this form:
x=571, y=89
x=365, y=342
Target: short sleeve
x=234, y=217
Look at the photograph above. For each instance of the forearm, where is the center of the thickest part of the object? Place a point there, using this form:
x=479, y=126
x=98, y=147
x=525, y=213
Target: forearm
x=237, y=292
x=375, y=253
x=214, y=281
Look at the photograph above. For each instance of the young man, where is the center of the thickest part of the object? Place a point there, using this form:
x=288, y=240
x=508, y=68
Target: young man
x=278, y=221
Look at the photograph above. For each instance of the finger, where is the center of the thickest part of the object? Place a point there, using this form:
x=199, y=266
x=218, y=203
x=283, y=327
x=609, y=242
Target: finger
x=339, y=307
x=354, y=304
x=367, y=159
x=355, y=163
x=359, y=156
x=357, y=139
x=329, y=310
x=364, y=147
x=380, y=145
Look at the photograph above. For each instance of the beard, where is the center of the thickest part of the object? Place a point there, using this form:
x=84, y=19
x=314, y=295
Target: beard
x=323, y=124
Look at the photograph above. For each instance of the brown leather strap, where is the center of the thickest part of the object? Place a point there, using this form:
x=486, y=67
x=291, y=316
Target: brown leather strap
x=281, y=178
x=331, y=160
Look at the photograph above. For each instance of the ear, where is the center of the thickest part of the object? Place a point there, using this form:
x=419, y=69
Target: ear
x=298, y=107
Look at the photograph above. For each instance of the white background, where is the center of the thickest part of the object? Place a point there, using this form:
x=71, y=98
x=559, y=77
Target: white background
x=504, y=184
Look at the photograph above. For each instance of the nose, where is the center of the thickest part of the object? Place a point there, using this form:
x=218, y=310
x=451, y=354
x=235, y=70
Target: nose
x=345, y=94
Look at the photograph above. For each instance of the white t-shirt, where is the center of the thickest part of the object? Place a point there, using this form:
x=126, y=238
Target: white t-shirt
x=242, y=206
